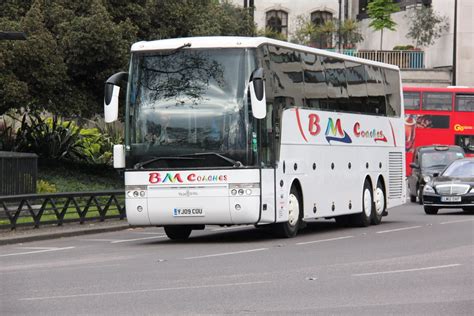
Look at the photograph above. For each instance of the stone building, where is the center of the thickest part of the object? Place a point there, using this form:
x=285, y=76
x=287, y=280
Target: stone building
x=439, y=58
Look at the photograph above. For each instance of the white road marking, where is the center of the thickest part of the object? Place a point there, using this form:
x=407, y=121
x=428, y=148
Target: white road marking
x=36, y=251
x=397, y=229
x=143, y=291
x=459, y=221
x=226, y=253
x=136, y=239
x=408, y=270
x=323, y=240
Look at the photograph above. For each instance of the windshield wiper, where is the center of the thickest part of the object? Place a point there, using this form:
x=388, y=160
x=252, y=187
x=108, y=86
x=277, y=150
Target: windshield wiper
x=235, y=163
x=140, y=165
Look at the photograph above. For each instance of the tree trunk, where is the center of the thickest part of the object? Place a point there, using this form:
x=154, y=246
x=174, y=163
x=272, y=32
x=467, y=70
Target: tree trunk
x=381, y=38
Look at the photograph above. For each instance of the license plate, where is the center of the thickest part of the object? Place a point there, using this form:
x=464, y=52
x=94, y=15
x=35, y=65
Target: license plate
x=188, y=212
x=450, y=199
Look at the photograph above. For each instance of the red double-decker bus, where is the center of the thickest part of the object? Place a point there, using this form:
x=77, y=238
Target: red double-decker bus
x=438, y=116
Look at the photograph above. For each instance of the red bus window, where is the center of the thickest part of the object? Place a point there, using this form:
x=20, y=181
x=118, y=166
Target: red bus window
x=437, y=101
x=412, y=100
x=465, y=102
x=466, y=142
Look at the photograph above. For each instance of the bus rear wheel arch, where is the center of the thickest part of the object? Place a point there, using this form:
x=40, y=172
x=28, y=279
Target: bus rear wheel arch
x=364, y=218
x=290, y=228
x=380, y=202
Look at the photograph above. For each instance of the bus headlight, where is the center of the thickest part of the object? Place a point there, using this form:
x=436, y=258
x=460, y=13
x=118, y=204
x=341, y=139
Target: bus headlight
x=242, y=189
x=136, y=191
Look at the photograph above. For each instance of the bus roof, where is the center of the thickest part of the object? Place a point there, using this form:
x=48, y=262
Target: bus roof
x=435, y=89
x=242, y=42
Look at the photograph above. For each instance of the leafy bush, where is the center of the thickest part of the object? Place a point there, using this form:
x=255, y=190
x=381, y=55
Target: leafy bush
x=43, y=186
x=95, y=147
x=48, y=137
x=7, y=134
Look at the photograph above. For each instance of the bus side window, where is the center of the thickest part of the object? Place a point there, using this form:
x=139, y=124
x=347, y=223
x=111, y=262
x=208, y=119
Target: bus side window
x=392, y=92
x=375, y=91
x=465, y=102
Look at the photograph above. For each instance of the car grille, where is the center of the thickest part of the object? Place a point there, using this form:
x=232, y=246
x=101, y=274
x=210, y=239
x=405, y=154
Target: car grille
x=452, y=189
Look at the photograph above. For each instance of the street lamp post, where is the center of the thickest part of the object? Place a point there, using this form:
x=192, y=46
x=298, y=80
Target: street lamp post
x=339, y=28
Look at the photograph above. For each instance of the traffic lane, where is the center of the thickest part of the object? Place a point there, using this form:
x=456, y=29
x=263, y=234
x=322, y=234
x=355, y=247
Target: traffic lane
x=174, y=275
x=312, y=288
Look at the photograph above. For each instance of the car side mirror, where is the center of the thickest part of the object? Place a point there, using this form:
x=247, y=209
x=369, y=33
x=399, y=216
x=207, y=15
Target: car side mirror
x=414, y=165
x=435, y=174
x=257, y=94
x=111, y=96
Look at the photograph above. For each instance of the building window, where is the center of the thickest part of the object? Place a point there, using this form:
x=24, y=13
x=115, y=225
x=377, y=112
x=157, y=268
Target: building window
x=277, y=21
x=319, y=19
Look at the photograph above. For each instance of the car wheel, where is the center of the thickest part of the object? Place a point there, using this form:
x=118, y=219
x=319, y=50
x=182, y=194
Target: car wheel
x=178, y=232
x=431, y=210
x=379, y=205
x=290, y=228
x=468, y=209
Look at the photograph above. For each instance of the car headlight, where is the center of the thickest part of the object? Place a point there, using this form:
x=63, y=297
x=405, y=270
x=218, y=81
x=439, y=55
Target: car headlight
x=427, y=179
x=428, y=188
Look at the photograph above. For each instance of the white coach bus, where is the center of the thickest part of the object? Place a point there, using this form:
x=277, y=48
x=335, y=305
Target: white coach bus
x=234, y=130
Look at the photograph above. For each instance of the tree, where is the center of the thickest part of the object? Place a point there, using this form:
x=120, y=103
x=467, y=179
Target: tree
x=307, y=33
x=380, y=12
x=426, y=26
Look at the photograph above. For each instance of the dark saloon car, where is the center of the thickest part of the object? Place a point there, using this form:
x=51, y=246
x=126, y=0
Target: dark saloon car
x=453, y=188
x=428, y=160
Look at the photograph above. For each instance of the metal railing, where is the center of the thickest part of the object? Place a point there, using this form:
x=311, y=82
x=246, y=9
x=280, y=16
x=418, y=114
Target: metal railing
x=405, y=59
x=18, y=173
x=58, y=208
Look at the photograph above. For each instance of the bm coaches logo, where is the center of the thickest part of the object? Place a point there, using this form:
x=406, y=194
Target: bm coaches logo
x=156, y=177
x=335, y=133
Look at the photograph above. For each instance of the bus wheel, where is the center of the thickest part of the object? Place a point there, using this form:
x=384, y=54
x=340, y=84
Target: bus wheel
x=290, y=228
x=178, y=232
x=362, y=219
x=380, y=204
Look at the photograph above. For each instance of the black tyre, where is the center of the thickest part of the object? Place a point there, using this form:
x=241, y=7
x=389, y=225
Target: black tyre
x=295, y=214
x=178, y=232
x=363, y=218
x=343, y=220
x=431, y=210
x=468, y=209
x=380, y=204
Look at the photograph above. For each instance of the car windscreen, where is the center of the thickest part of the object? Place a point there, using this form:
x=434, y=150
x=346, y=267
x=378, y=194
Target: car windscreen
x=439, y=159
x=460, y=169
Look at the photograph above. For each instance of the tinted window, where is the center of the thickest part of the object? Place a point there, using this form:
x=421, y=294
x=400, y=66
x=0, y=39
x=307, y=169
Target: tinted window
x=465, y=102
x=412, y=100
x=439, y=159
x=461, y=169
x=466, y=142
x=288, y=73
x=337, y=85
x=392, y=91
x=375, y=90
x=315, y=86
x=437, y=101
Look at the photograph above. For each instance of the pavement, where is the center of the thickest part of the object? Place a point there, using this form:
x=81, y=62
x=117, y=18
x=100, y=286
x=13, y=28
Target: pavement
x=29, y=234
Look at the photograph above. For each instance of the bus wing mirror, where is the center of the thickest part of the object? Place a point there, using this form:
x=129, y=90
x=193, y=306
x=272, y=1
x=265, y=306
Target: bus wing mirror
x=257, y=94
x=111, y=96
x=119, y=156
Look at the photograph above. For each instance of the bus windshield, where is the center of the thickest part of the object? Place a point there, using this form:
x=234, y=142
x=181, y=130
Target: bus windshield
x=189, y=102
